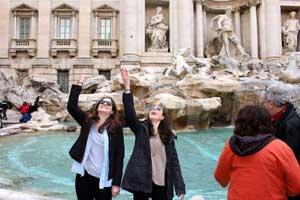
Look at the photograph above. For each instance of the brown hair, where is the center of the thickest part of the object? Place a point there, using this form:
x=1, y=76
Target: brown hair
x=164, y=127
x=111, y=122
x=253, y=120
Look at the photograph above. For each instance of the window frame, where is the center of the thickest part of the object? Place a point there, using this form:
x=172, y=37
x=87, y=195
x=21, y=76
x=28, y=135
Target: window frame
x=69, y=35
x=22, y=34
x=99, y=28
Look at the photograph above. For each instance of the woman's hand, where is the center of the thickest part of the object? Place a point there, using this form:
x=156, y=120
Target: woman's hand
x=180, y=196
x=115, y=190
x=125, y=78
x=82, y=78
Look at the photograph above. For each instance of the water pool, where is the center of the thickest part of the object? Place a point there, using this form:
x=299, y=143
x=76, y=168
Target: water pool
x=40, y=162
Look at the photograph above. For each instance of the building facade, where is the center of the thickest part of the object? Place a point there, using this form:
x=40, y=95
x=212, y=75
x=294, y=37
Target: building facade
x=61, y=39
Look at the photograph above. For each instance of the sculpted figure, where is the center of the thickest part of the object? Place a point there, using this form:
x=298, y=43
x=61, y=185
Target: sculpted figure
x=156, y=31
x=222, y=24
x=290, y=32
x=180, y=67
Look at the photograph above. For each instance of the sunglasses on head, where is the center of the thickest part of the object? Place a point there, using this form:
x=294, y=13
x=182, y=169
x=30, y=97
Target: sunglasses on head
x=158, y=108
x=106, y=103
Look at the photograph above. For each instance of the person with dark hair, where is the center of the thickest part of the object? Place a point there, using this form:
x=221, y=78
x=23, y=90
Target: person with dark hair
x=24, y=112
x=256, y=164
x=98, y=152
x=153, y=168
x=27, y=108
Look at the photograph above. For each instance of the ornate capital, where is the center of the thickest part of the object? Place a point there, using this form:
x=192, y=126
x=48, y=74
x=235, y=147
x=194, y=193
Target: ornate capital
x=236, y=9
x=253, y=2
x=203, y=2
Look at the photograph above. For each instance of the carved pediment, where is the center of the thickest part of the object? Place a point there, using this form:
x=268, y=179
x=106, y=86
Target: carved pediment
x=23, y=8
x=64, y=8
x=105, y=8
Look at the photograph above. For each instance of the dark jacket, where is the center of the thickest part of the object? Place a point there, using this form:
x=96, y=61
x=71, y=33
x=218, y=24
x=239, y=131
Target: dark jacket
x=116, y=141
x=288, y=130
x=138, y=173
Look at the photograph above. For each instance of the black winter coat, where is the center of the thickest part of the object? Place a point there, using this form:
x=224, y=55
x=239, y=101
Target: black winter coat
x=116, y=141
x=288, y=130
x=138, y=173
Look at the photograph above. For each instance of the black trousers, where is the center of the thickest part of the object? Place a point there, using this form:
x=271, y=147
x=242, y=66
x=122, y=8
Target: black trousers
x=158, y=193
x=87, y=188
x=294, y=198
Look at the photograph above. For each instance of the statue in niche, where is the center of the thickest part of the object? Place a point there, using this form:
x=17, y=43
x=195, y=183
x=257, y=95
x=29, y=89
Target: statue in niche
x=156, y=31
x=222, y=24
x=290, y=32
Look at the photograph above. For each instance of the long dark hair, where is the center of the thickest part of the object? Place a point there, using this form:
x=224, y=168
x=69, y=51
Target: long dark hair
x=111, y=122
x=253, y=120
x=164, y=127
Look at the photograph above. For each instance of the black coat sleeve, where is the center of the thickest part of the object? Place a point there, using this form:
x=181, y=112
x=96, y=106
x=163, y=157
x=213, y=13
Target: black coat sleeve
x=176, y=170
x=73, y=108
x=119, y=155
x=292, y=137
x=130, y=114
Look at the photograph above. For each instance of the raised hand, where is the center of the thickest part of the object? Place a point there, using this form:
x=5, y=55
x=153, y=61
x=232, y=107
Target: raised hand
x=82, y=78
x=115, y=191
x=125, y=77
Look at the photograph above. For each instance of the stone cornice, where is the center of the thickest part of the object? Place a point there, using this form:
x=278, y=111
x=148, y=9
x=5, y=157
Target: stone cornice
x=223, y=5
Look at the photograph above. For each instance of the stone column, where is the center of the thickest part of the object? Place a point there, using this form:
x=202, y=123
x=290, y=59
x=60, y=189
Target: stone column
x=186, y=22
x=114, y=19
x=253, y=30
x=204, y=25
x=84, y=37
x=15, y=29
x=33, y=27
x=95, y=25
x=200, y=30
x=44, y=29
x=55, y=28
x=73, y=26
x=129, y=24
x=237, y=22
x=272, y=14
x=4, y=30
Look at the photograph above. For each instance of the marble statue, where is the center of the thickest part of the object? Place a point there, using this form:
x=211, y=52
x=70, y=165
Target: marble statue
x=292, y=73
x=156, y=31
x=290, y=32
x=222, y=24
x=180, y=67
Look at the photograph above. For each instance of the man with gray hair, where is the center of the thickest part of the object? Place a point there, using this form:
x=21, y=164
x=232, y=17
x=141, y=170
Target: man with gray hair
x=282, y=100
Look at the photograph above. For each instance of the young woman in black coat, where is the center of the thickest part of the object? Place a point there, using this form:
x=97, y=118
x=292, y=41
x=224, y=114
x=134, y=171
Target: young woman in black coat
x=98, y=152
x=153, y=168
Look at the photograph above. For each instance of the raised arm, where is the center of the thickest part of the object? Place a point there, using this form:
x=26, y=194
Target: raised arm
x=73, y=107
x=130, y=114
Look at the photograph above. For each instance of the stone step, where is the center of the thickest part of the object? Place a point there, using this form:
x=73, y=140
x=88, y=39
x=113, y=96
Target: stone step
x=14, y=195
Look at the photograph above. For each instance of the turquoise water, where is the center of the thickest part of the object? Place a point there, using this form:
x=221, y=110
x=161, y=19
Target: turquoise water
x=40, y=163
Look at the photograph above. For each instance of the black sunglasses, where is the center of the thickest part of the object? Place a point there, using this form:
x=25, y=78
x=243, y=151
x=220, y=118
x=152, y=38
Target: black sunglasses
x=106, y=103
x=158, y=108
